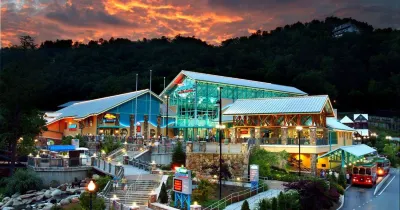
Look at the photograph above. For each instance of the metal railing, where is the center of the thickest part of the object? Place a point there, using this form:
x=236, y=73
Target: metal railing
x=140, y=164
x=236, y=197
x=38, y=162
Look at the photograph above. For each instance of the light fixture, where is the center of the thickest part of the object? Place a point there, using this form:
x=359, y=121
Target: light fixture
x=134, y=205
x=116, y=131
x=299, y=128
x=153, y=162
x=30, y=154
x=91, y=186
x=195, y=203
x=37, y=156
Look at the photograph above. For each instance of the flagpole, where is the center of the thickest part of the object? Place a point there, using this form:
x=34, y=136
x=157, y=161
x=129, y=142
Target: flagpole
x=150, y=106
x=136, y=107
x=167, y=107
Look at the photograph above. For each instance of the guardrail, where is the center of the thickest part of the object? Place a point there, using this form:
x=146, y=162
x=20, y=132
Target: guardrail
x=140, y=164
x=61, y=162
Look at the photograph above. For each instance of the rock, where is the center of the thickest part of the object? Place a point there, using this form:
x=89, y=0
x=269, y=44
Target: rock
x=53, y=201
x=7, y=208
x=30, y=191
x=39, y=193
x=9, y=203
x=75, y=200
x=1, y=204
x=62, y=187
x=47, y=194
x=56, y=192
x=17, y=203
x=15, y=195
x=5, y=199
x=40, y=206
x=38, y=198
x=27, y=196
x=64, y=202
x=48, y=206
x=28, y=201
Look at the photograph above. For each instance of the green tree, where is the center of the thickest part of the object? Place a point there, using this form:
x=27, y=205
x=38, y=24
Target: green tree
x=203, y=191
x=262, y=205
x=163, y=197
x=274, y=205
x=178, y=156
x=23, y=180
x=282, y=201
x=97, y=202
x=245, y=205
x=342, y=179
x=266, y=160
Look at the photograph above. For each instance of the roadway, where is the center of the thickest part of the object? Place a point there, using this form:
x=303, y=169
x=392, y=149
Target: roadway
x=386, y=198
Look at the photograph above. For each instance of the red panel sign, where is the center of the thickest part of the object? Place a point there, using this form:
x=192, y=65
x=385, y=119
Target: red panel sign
x=178, y=185
x=138, y=128
x=244, y=131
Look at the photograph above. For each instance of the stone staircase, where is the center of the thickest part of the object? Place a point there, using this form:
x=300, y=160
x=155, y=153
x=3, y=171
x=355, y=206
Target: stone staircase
x=138, y=191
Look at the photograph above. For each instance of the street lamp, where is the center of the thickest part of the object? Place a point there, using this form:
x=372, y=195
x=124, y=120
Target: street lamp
x=299, y=129
x=91, y=188
x=166, y=128
x=220, y=126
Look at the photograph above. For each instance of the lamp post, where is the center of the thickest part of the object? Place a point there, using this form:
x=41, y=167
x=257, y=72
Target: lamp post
x=166, y=128
x=299, y=129
x=91, y=188
x=220, y=126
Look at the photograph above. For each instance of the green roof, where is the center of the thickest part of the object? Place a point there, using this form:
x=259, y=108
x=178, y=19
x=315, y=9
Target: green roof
x=364, y=164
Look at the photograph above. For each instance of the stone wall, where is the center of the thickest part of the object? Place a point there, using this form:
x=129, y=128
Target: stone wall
x=63, y=175
x=238, y=163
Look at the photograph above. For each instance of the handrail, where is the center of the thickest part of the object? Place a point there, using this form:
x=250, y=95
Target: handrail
x=235, y=197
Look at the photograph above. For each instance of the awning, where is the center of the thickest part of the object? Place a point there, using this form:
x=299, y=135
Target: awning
x=356, y=150
x=333, y=123
x=61, y=148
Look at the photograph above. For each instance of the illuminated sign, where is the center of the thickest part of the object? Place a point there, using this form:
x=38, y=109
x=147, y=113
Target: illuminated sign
x=244, y=131
x=178, y=185
x=72, y=127
x=185, y=91
x=110, y=118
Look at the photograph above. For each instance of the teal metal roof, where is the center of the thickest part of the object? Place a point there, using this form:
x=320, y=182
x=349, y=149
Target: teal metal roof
x=280, y=105
x=333, y=123
x=356, y=150
x=97, y=106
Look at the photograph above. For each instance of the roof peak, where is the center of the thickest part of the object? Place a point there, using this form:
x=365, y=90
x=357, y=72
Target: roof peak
x=144, y=90
x=283, y=97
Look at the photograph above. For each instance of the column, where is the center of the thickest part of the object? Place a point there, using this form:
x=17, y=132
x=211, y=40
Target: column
x=203, y=146
x=313, y=136
x=152, y=198
x=313, y=163
x=284, y=136
x=158, y=126
x=233, y=135
x=189, y=146
x=132, y=125
x=117, y=119
x=257, y=135
x=243, y=148
x=146, y=127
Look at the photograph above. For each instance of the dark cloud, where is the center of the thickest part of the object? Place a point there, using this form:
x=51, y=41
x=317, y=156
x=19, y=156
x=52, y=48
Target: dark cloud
x=70, y=15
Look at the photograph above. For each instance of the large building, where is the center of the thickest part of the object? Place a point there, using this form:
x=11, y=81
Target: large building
x=124, y=115
x=193, y=96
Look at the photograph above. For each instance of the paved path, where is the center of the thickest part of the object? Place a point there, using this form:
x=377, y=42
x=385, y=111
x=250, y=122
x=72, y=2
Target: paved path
x=253, y=201
x=357, y=198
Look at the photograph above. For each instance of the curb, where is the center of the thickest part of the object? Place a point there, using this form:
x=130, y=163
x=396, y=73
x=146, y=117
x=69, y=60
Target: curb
x=342, y=196
x=378, y=187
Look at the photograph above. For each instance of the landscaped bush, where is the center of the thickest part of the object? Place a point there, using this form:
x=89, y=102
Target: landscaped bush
x=109, y=145
x=245, y=205
x=166, y=167
x=287, y=200
x=23, y=180
x=342, y=180
x=97, y=202
x=178, y=156
x=163, y=197
x=266, y=160
x=204, y=189
x=338, y=187
x=101, y=182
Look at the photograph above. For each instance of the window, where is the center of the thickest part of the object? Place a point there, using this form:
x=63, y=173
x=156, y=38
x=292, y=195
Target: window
x=380, y=165
x=361, y=171
x=355, y=170
x=368, y=171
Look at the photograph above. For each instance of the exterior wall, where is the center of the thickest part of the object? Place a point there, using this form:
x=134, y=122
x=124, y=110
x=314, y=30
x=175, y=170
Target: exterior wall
x=305, y=149
x=90, y=129
x=62, y=175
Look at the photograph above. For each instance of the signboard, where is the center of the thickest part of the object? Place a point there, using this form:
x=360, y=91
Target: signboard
x=244, y=131
x=109, y=118
x=178, y=185
x=75, y=142
x=72, y=127
x=138, y=129
x=254, y=176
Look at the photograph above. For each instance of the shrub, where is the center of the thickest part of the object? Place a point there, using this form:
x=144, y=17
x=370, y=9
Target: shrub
x=23, y=180
x=274, y=205
x=338, y=187
x=101, y=182
x=56, y=207
x=166, y=167
x=266, y=160
x=172, y=195
x=97, y=202
x=204, y=189
x=262, y=205
x=245, y=205
x=178, y=156
x=342, y=180
x=163, y=197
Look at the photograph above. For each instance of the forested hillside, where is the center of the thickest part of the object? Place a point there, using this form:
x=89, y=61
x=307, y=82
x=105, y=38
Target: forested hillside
x=359, y=72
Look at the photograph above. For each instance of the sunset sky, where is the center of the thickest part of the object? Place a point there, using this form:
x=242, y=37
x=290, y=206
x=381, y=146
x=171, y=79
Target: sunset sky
x=210, y=20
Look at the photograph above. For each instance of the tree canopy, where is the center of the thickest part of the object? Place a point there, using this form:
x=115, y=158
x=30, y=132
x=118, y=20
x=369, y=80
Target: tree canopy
x=359, y=71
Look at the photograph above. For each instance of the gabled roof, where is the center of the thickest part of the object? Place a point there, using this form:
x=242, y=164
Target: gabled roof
x=333, y=123
x=356, y=150
x=97, y=106
x=232, y=81
x=282, y=105
x=346, y=119
x=359, y=117
x=69, y=103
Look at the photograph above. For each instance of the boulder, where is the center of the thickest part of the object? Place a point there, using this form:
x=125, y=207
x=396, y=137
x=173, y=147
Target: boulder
x=17, y=203
x=15, y=195
x=47, y=194
x=56, y=192
x=75, y=200
x=27, y=196
x=7, y=208
x=39, y=193
x=38, y=198
x=62, y=187
x=30, y=191
x=28, y=201
x=48, y=206
x=5, y=199
x=9, y=203
x=1, y=204
x=64, y=202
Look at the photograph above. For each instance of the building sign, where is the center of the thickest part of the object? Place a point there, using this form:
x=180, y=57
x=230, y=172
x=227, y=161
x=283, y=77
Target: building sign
x=186, y=91
x=244, y=131
x=178, y=185
x=72, y=127
x=109, y=118
x=138, y=129
x=75, y=142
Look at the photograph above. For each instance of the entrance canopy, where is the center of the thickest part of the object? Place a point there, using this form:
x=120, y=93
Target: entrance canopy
x=62, y=148
x=355, y=150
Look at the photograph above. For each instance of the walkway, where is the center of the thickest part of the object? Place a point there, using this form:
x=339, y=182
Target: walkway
x=253, y=201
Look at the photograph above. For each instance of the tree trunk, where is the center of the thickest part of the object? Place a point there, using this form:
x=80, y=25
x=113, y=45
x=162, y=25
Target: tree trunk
x=13, y=157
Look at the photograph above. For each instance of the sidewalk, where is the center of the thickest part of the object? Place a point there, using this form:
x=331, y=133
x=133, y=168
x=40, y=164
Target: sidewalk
x=253, y=201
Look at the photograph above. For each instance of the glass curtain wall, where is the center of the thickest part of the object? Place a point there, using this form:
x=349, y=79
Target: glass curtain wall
x=197, y=108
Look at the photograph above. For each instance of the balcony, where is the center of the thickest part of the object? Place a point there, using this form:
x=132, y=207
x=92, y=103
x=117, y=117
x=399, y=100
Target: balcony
x=292, y=145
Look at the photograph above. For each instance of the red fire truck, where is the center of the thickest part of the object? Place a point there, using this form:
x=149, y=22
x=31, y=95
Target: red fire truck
x=364, y=174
